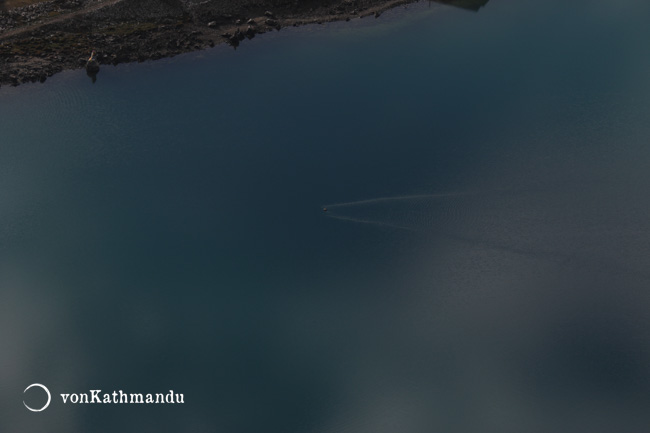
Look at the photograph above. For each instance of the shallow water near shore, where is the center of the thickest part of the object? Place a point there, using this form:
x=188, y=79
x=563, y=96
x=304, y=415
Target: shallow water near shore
x=481, y=266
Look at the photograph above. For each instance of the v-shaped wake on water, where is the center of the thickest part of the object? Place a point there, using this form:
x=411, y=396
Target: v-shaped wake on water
x=403, y=212
x=561, y=226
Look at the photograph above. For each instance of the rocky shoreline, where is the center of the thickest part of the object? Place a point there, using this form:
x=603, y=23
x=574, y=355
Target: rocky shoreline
x=47, y=37
x=42, y=39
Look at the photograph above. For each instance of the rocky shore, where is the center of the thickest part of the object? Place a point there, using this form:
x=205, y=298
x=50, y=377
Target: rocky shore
x=44, y=38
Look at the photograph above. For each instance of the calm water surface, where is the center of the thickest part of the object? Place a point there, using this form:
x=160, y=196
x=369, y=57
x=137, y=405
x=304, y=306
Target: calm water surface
x=482, y=267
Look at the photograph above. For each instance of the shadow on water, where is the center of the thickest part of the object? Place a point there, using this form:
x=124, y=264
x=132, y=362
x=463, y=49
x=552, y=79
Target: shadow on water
x=92, y=75
x=474, y=5
x=92, y=67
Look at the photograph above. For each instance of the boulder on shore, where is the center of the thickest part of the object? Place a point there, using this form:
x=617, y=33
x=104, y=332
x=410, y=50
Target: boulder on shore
x=92, y=66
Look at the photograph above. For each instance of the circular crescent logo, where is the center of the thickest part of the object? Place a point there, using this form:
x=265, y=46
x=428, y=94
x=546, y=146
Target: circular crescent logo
x=49, y=397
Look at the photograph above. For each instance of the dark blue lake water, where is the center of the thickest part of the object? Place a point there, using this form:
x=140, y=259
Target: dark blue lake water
x=483, y=265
